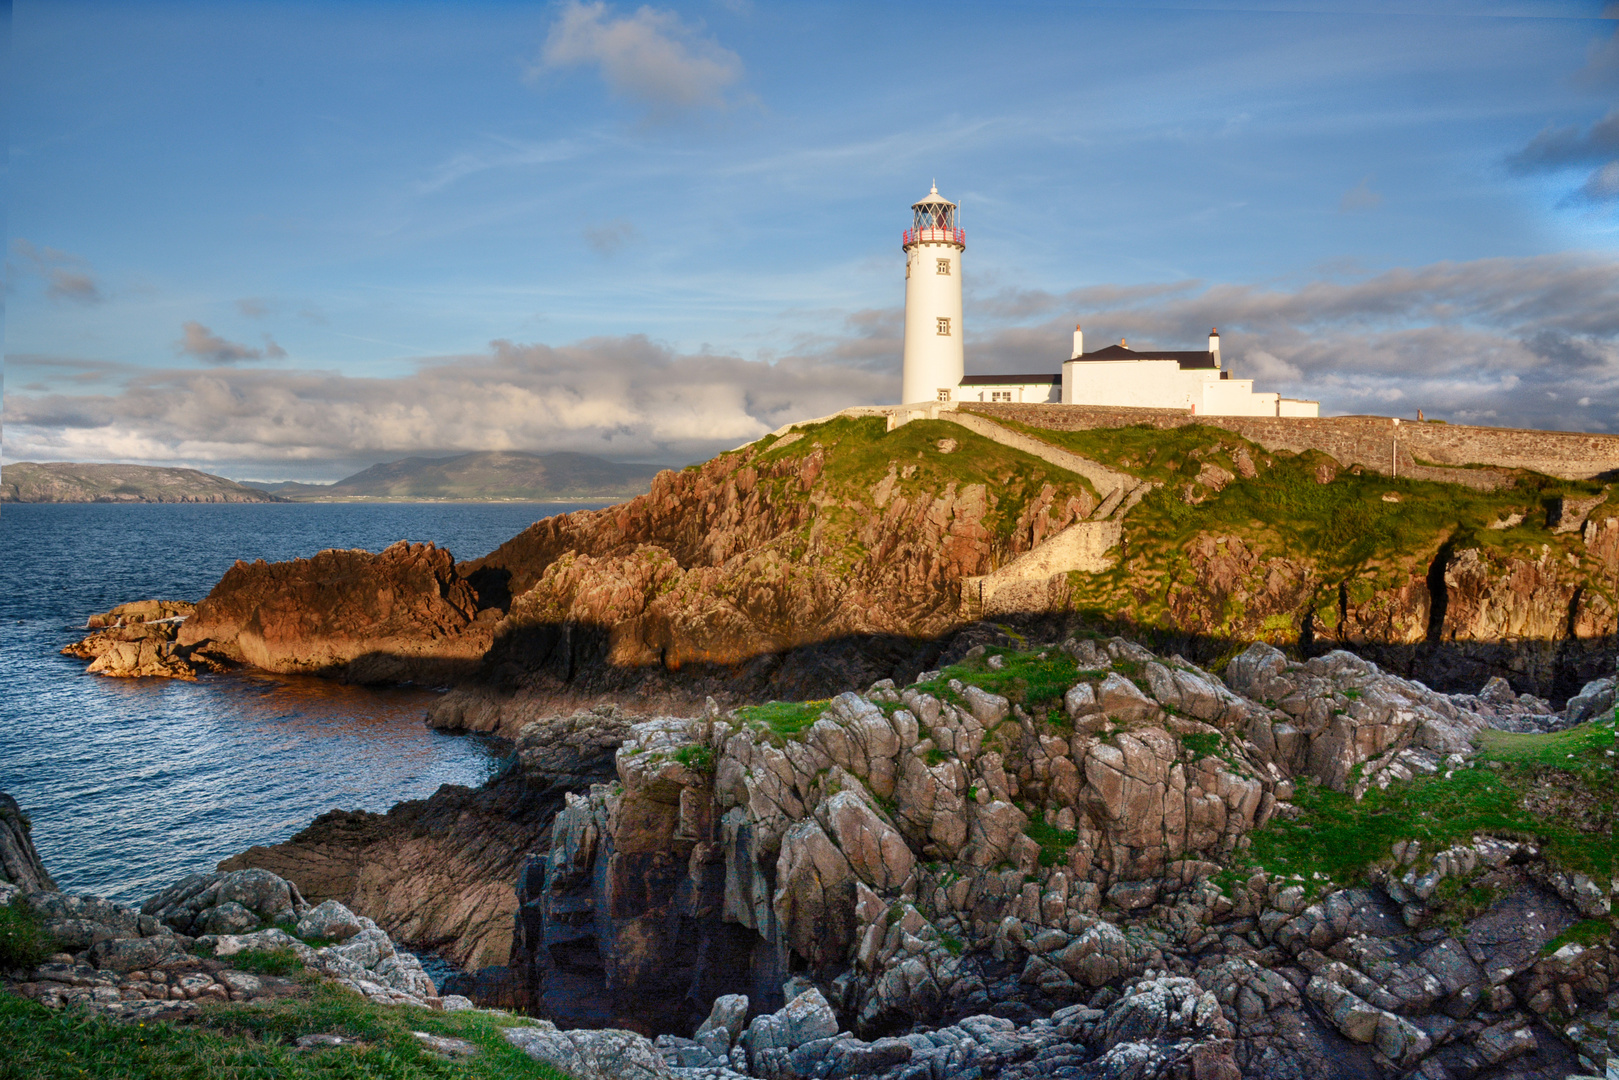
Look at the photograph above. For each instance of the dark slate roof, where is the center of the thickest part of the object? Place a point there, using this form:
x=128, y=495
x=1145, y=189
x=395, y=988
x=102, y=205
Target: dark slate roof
x=1010, y=380
x=1187, y=360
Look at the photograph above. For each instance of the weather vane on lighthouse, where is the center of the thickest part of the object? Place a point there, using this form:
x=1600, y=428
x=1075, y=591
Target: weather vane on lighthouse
x=934, y=363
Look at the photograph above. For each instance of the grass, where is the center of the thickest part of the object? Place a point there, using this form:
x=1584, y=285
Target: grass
x=250, y=1041
x=1026, y=679
x=24, y=942
x=1055, y=843
x=282, y=961
x=1555, y=789
x=1343, y=530
x=697, y=757
x=789, y=719
x=858, y=454
x=1587, y=932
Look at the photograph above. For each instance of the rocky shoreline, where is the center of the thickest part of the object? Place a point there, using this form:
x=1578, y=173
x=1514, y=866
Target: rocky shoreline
x=941, y=881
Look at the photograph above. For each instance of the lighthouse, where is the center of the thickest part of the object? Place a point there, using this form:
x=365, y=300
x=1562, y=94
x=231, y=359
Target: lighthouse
x=934, y=362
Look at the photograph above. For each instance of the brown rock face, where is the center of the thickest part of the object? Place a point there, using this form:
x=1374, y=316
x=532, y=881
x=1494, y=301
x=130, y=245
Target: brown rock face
x=401, y=614
x=440, y=872
x=435, y=872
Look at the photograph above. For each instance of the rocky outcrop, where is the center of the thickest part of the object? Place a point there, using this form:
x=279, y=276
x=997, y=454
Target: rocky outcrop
x=139, y=640
x=439, y=872
x=19, y=862
x=402, y=614
x=931, y=855
x=144, y=965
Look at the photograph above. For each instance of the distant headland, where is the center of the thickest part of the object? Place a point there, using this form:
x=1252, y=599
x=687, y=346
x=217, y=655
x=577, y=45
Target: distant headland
x=488, y=476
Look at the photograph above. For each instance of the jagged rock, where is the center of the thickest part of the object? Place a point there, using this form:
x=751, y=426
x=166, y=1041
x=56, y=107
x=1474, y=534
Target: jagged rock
x=437, y=871
x=724, y=1024
x=1121, y=699
x=814, y=899
x=19, y=862
x=401, y=614
x=876, y=852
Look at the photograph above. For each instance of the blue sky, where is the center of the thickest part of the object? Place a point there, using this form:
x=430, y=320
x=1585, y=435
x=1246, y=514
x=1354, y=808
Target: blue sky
x=281, y=240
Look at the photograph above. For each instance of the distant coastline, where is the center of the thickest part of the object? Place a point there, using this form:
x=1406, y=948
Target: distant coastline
x=480, y=477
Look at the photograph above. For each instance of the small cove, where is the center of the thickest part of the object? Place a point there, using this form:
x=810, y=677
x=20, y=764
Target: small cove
x=131, y=784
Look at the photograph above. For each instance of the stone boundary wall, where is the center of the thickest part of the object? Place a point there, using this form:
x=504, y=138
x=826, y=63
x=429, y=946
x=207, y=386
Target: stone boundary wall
x=1367, y=441
x=1102, y=478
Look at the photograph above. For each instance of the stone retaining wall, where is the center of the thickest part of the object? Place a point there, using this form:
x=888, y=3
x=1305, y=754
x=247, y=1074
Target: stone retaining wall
x=1368, y=441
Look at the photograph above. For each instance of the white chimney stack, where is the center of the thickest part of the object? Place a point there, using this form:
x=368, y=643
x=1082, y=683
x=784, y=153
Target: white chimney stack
x=1079, y=343
x=1214, y=345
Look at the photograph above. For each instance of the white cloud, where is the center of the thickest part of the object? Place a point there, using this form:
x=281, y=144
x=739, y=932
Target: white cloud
x=650, y=57
x=623, y=398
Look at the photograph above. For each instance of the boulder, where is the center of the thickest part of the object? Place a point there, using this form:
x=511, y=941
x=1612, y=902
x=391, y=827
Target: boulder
x=604, y=1054
x=329, y=921
x=877, y=853
x=1121, y=699
x=134, y=954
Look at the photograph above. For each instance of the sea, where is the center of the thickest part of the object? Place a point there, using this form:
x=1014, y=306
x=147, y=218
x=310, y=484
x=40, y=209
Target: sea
x=133, y=783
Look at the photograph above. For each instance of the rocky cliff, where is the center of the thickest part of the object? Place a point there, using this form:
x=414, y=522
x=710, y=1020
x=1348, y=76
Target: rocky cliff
x=398, y=615
x=841, y=554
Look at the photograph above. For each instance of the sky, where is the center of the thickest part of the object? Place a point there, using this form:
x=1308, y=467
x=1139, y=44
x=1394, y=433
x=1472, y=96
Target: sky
x=281, y=240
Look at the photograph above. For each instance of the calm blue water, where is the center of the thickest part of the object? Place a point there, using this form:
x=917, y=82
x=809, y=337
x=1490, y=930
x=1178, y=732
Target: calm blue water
x=133, y=783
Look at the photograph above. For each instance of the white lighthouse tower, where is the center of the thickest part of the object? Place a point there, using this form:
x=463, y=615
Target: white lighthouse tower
x=934, y=363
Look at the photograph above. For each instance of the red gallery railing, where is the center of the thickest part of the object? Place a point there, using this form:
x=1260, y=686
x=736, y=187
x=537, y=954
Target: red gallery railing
x=936, y=236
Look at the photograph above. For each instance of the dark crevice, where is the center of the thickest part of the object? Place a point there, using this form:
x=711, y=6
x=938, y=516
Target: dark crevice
x=1343, y=609
x=1438, y=595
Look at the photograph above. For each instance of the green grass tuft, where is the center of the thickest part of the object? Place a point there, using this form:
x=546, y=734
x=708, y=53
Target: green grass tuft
x=1026, y=679
x=1505, y=795
x=281, y=961
x=1055, y=843
x=789, y=719
x=697, y=757
x=1587, y=932
x=24, y=943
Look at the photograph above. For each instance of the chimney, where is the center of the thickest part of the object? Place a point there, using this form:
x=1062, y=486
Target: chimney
x=1214, y=345
x=1079, y=343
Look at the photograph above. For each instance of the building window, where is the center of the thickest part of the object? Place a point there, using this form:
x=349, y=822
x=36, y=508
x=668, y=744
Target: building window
x=944, y=267
x=1000, y=395
x=944, y=394
x=944, y=326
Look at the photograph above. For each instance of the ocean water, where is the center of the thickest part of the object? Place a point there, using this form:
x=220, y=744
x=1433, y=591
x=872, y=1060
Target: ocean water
x=133, y=783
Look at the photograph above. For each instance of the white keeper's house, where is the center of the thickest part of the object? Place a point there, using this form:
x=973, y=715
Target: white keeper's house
x=935, y=365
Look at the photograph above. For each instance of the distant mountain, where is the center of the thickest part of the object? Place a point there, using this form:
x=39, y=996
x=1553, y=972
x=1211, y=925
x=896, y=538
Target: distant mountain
x=484, y=476
x=66, y=481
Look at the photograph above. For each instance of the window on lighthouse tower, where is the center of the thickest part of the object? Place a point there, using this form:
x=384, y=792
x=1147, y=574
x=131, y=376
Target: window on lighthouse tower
x=944, y=267
x=944, y=326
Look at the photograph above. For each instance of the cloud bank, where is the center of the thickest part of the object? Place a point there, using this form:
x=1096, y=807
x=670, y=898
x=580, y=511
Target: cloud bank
x=1526, y=342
